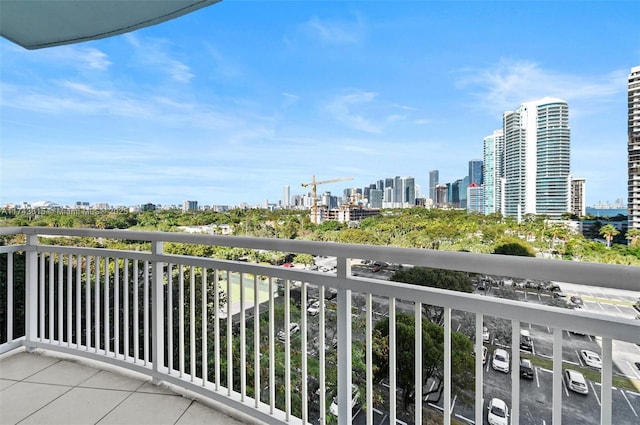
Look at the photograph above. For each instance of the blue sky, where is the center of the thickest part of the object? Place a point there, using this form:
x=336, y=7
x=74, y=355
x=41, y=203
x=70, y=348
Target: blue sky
x=232, y=102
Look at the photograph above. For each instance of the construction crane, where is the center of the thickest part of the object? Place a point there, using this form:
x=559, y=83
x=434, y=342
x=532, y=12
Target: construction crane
x=314, y=191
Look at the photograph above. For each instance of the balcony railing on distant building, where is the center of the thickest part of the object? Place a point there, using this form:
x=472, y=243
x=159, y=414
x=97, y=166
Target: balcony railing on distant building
x=287, y=344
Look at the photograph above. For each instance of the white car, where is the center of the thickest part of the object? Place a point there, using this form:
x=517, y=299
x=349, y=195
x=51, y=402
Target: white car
x=500, y=360
x=314, y=308
x=485, y=334
x=355, y=395
x=591, y=359
x=575, y=381
x=498, y=412
x=293, y=328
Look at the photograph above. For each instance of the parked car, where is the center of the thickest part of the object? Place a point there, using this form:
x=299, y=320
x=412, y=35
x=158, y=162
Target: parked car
x=526, y=369
x=575, y=381
x=498, y=412
x=484, y=354
x=591, y=359
x=293, y=328
x=485, y=334
x=355, y=396
x=577, y=301
x=314, y=308
x=525, y=340
x=500, y=360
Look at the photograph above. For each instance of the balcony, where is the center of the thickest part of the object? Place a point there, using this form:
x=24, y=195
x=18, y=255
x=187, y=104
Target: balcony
x=241, y=334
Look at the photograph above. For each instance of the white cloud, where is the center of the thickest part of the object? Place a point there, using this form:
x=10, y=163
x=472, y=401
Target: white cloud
x=342, y=109
x=289, y=99
x=154, y=53
x=334, y=32
x=510, y=83
x=364, y=111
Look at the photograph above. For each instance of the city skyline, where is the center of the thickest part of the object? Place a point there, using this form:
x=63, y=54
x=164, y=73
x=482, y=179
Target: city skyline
x=233, y=102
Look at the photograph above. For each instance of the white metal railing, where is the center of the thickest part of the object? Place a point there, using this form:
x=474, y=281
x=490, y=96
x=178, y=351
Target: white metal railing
x=177, y=318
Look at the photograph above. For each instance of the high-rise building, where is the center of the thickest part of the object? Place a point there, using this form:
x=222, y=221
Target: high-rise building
x=578, y=197
x=475, y=198
x=375, y=200
x=493, y=166
x=633, y=203
x=475, y=171
x=537, y=158
x=408, y=191
x=433, y=182
x=189, y=206
x=286, y=197
x=441, y=199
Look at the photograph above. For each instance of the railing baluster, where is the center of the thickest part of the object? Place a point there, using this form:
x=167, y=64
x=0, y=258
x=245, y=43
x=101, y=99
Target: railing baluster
x=96, y=293
x=606, y=397
x=216, y=326
x=60, y=297
x=87, y=304
x=243, y=341
x=69, y=298
x=287, y=350
x=303, y=350
x=192, y=323
x=447, y=366
x=107, y=322
x=10, y=297
x=170, y=317
x=145, y=311
x=557, y=377
x=158, y=311
x=116, y=306
x=392, y=361
x=345, y=345
x=417, y=392
x=51, y=308
x=515, y=372
x=204, y=319
x=136, y=313
x=126, y=332
x=256, y=341
x=229, y=337
x=321, y=349
x=42, y=329
x=479, y=348
x=369, y=358
x=181, y=320
x=78, y=301
x=272, y=361
x=31, y=289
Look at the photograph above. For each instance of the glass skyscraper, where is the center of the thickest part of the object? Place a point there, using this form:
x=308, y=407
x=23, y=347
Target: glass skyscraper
x=537, y=159
x=433, y=182
x=633, y=203
x=493, y=152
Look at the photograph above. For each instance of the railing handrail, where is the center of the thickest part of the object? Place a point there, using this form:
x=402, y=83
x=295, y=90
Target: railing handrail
x=594, y=274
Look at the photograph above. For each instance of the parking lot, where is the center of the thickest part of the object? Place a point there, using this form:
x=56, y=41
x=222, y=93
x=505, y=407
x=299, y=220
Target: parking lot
x=536, y=394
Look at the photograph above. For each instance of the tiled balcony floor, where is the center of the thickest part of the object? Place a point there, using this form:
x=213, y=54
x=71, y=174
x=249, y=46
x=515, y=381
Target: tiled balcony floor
x=42, y=388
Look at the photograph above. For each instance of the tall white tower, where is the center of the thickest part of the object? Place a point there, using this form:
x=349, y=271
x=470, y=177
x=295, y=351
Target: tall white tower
x=634, y=148
x=286, y=197
x=537, y=158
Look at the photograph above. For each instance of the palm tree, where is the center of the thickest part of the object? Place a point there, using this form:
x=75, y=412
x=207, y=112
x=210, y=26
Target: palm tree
x=609, y=231
x=633, y=235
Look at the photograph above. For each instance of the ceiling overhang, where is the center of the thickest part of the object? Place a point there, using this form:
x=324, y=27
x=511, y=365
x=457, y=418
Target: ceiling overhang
x=35, y=24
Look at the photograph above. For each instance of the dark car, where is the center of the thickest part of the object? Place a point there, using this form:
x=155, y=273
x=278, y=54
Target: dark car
x=526, y=369
x=637, y=305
